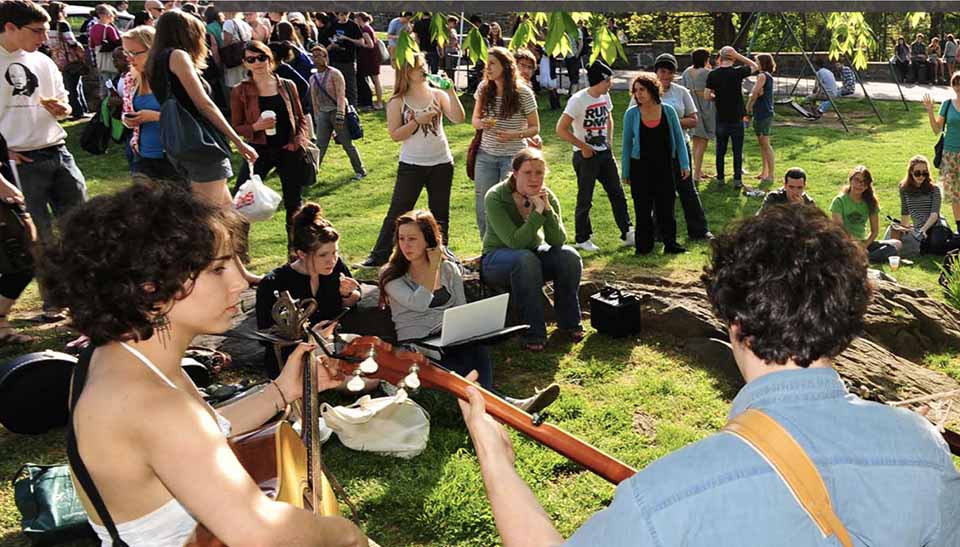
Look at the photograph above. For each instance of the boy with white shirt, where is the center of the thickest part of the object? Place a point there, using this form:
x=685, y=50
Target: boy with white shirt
x=32, y=100
x=587, y=124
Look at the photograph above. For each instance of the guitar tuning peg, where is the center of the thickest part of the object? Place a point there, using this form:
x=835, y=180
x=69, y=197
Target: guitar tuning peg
x=356, y=383
x=369, y=365
x=412, y=380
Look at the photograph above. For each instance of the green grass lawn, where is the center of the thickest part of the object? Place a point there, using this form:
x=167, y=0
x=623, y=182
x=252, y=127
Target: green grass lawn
x=637, y=399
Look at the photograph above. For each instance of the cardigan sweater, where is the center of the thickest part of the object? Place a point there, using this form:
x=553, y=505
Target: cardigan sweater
x=631, y=138
x=507, y=229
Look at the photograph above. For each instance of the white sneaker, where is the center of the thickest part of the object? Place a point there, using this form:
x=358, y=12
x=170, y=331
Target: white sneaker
x=630, y=239
x=588, y=246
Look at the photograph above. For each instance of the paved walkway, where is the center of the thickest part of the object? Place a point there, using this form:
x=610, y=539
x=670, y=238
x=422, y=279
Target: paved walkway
x=881, y=91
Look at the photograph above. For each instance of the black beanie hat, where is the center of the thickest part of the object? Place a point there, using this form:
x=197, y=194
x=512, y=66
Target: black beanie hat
x=598, y=71
x=665, y=60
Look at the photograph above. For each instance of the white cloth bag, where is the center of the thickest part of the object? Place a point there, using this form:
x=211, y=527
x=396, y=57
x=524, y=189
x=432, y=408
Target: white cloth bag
x=255, y=200
x=391, y=426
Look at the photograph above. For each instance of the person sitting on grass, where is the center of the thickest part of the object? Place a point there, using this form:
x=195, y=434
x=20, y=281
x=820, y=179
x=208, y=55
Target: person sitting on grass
x=420, y=283
x=854, y=207
x=316, y=272
x=792, y=289
x=142, y=289
x=524, y=246
x=793, y=191
x=920, y=200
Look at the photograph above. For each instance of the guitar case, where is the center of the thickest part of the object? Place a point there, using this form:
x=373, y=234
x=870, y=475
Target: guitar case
x=34, y=390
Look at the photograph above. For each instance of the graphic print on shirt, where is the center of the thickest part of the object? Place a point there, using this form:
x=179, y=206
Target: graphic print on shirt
x=23, y=81
x=596, y=120
x=432, y=128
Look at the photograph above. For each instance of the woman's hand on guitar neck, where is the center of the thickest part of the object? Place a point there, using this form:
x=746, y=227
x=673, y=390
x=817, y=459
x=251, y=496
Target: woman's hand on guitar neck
x=490, y=439
x=290, y=380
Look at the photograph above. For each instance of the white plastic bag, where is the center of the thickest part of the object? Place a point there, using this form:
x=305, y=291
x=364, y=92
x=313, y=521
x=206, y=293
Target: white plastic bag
x=255, y=200
x=392, y=426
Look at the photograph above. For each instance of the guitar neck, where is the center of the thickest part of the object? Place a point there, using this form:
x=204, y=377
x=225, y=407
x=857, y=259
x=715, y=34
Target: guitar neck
x=560, y=441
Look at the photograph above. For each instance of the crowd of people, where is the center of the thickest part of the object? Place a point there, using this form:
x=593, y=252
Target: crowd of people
x=277, y=87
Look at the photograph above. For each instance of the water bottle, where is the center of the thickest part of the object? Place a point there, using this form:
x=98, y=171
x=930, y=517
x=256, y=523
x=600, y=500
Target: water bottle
x=439, y=81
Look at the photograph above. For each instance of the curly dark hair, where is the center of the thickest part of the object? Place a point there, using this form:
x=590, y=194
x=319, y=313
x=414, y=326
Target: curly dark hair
x=648, y=81
x=119, y=257
x=510, y=104
x=793, y=281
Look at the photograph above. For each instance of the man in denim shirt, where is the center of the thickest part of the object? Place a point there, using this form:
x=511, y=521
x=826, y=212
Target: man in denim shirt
x=792, y=287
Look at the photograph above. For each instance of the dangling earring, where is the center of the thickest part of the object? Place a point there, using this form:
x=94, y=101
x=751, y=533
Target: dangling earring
x=161, y=327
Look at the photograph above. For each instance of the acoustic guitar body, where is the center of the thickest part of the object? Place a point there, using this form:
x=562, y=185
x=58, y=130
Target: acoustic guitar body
x=276, y=459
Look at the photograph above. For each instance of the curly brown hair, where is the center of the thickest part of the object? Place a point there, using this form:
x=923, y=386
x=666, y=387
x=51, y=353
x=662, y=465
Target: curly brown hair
x=119, y=257
x=793, y=281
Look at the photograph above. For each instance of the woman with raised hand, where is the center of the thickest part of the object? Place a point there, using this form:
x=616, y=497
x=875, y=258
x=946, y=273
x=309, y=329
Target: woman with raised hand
x=142, y=289
x=506, y=111
x=280, y=140
x=420, y=283
x=141, y=112
x=315, y=271
x=179, y=52
x=415, y=115
x=947, y=121
x=854, y=207
x=524, y=246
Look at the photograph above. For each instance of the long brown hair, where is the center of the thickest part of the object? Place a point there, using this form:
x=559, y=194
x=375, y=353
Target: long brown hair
x=868, y=196
x=398, y=265
x=309, y=230
x=177, y=30
x=907, y=184
x=511, y=85
x=402, y=84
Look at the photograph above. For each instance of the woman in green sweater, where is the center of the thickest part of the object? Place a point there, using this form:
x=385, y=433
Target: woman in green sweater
x=524, y=246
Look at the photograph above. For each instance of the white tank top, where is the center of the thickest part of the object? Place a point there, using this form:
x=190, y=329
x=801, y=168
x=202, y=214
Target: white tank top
x=428, y=144
x=170, y=525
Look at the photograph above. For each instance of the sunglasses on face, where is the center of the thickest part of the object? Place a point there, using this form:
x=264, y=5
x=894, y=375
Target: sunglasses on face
x=919, y=174
x=262, y=58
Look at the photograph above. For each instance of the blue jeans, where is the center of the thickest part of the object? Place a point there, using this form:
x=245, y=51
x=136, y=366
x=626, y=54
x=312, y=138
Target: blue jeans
x=734, y=131
x=489, y=171
x=51, y=182
x=525, y=271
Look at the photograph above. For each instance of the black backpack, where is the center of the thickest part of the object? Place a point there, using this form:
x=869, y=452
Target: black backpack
x=95, y=138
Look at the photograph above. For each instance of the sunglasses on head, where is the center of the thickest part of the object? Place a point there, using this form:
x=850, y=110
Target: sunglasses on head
x=256, y=58
x=919, y=174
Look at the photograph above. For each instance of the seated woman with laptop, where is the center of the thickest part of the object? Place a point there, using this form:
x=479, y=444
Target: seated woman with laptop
x=420, y=284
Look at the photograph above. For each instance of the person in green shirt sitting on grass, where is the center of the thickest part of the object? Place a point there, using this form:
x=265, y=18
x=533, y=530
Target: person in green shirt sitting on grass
x=857, y=203
x=523, y=246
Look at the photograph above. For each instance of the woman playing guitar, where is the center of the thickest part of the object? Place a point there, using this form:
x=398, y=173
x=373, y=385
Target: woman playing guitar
x=144, y=271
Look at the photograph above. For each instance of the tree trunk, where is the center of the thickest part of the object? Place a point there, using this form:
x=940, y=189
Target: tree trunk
x=936, y=26
x=744, y=35
x=724, y=33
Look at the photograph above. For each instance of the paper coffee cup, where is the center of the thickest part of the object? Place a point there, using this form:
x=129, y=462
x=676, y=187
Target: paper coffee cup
x=269, y=114
x=894, y=262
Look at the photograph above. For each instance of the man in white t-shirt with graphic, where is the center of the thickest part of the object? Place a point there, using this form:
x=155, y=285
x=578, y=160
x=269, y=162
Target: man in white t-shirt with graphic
x=32, y=101
x=587, y=124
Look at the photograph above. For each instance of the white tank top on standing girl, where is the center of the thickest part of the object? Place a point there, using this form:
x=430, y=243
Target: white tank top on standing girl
x=428, y=144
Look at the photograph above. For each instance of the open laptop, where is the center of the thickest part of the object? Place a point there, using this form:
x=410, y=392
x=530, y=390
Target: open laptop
x=472, y=320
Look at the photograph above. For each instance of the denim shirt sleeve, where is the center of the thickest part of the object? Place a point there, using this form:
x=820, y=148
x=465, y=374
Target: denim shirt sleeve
x=949, y=497
x=622, y=524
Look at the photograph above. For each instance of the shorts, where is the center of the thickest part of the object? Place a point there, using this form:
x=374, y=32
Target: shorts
x=197, y=171
x=762, y=126
x=950, y=176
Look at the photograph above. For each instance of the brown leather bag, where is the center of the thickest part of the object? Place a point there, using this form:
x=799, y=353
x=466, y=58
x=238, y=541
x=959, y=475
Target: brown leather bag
x=472, y=151
x=794, y=466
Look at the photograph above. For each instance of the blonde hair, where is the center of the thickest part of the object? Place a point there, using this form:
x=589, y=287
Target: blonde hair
x=143, y=34
x=402, y=84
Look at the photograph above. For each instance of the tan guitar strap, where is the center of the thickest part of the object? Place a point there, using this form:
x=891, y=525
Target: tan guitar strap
x=788, y=458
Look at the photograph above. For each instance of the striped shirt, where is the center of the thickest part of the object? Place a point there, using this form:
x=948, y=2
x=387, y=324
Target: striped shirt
x=919, y=205
x=517, y=122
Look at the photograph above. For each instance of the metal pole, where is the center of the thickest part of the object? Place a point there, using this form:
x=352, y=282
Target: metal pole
x=786, y=25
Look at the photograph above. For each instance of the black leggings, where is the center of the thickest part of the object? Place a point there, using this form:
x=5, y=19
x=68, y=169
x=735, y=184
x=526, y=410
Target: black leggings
x=12, y=285
x=474, y=357
x=653, y=192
